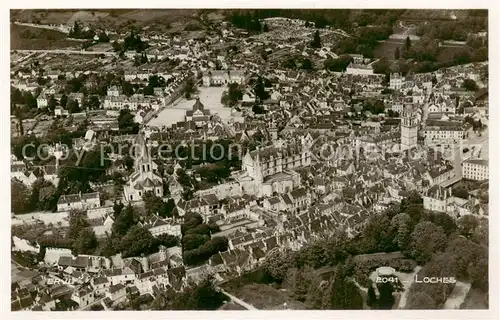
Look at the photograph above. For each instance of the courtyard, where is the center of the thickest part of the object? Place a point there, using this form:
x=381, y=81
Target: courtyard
x=175, y=112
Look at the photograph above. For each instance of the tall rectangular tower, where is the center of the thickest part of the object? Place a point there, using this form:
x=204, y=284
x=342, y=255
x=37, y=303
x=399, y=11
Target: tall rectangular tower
x=409, y=132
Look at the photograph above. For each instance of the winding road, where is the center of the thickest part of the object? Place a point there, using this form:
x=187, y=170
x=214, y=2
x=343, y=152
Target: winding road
x=62, y=51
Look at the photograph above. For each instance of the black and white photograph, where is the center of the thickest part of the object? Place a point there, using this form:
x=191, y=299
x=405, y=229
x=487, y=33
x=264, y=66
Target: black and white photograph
x=249, y=159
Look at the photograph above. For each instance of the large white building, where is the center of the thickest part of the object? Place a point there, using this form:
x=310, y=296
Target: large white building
x=145, y=178
x=42, y=101
x=446, y=134
x=79, y=201
x=409, y=132
x=396, y=82
x=475, y=169
x=359, y=69
x=440, y=199
x=222, y=77
x=264, y=162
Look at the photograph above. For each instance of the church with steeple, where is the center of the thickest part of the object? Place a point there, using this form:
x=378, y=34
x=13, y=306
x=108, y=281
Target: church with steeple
x=145, y=177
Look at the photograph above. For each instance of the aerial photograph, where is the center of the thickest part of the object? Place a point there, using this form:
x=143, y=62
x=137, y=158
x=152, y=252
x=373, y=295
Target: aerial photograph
x=249, y=159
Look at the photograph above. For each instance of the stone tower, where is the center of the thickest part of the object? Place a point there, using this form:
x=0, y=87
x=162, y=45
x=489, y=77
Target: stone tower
x=409, y=131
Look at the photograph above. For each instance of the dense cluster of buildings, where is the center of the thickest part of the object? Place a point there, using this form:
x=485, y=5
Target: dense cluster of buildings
x=316, y=159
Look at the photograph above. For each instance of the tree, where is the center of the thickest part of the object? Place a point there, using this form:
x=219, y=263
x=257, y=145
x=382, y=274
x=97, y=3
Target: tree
x=470, y=85
x=306, y=64
x=73, y=106
x=397, y=54
x=86, y=243
x=426, y=239
x=372, y=297
x=338, y=65
x=93, y=102
x=126, y=122
x=421, y=300
x=29, y=100
x=52, y=103
x=478, y=274
x=137, y=241
x=463, y=56
x=381, y=66
x=233, y=95
x=259, y=89
x=155, y=205
x=103, y=37
x=124, y=221
x=315, y=294
x=258, y=109
x=298, y=281
x=344, y=293
x=64, y=100
x=407, y=43
x=467, y=225
x=278, y=263
x=193, y=241
x=189, y=88
x=401, y=223
x=386, y=299
x=19, y=197
x=316, y=42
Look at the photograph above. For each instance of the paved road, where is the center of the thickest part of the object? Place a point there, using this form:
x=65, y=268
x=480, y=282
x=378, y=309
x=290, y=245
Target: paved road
x=42, y=26
x=62, y=51
x=238, y=301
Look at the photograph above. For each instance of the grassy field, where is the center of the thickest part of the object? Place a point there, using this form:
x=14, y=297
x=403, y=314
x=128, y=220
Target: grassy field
x=29, y=38
x=388, y=48
x=422, y=14
x=106, y=18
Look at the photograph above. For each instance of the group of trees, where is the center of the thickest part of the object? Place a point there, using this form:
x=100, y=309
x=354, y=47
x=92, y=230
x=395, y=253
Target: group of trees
x=154, y=81
x=470, y=85
x=385, y=300
x=375, y=107
x=298, y=63
x=336, y=18
x=197, y=244
x=202, y=296
x=426, y=53
x=364, y=40
x=126, y=122
x=339, y=64
x=80, y=235
x=428, y=238
x=155, y=205
x=456, y=30
x=42, y=196
x=75, y=173
x=134, y=42
x=77, y=32
x=463, y=259
x=18, y=97
x=248, y=21
x=305, y=285
x=232, y=96
x=129, y=238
